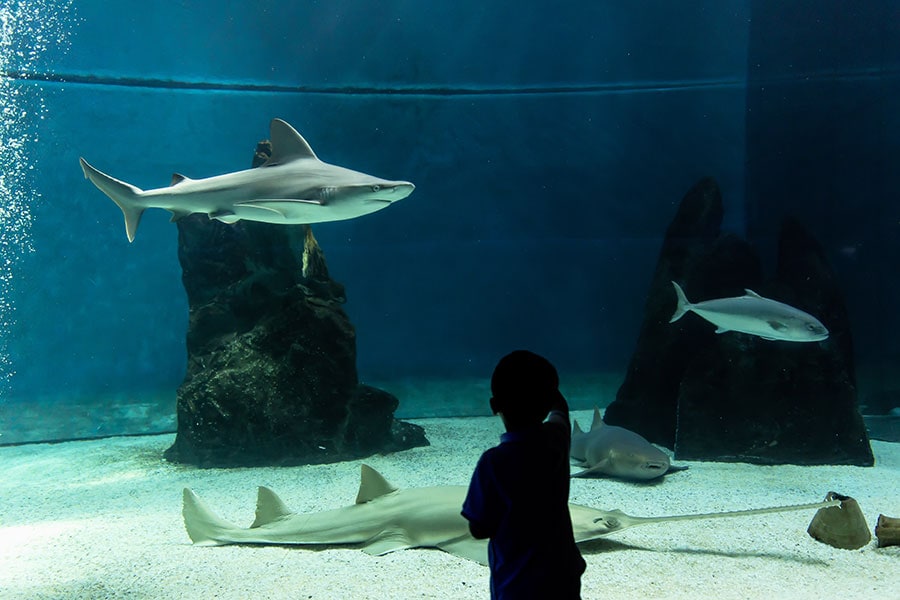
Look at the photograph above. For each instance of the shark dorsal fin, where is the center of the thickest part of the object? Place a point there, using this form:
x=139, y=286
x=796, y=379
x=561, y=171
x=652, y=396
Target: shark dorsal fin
x=269, y=507
x=597, y=423
x=372, y=485
x=576, y=428
x=287, y=144
x=178, y=178
x=752, y=294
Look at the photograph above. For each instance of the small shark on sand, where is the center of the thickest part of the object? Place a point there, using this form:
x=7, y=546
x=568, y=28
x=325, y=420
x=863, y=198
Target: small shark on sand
x=755, y=315
x=292, y=187
x=385, y=518
x=617, y=452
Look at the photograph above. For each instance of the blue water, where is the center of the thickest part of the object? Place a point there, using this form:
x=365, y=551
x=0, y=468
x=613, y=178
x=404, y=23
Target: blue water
x=549, y=143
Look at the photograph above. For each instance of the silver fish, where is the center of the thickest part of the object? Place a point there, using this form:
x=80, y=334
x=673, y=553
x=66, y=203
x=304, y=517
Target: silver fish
x=754, y=315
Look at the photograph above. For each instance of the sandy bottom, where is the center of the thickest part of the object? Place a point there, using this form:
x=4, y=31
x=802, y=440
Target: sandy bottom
x=102, y=519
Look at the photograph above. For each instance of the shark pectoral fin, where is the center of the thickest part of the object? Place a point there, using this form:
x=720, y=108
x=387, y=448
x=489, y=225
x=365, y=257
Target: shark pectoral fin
x=674, y=468
x=226, y=216
x=467, y=547
x=389, y=540
x=278, y=204
x=598, y=469
x=281, y=207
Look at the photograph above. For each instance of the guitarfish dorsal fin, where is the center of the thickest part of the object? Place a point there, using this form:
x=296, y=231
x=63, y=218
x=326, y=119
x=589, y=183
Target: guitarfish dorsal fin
x=372, y=485
x=269, y=507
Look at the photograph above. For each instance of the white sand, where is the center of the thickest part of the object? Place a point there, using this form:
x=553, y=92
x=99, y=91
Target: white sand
x=102, y=519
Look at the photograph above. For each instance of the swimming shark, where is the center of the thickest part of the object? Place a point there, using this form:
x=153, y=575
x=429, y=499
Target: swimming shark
x=385, y=519
x=755, y=315
x=292, y=187
x=617, y=452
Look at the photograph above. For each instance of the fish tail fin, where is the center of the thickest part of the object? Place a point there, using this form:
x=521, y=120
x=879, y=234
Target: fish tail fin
x=123, y=194
x=203, y=526
x=683, y=304
x=269, y=507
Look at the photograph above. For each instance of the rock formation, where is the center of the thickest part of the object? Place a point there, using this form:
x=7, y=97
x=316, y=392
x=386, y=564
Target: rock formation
x=737, y=397
x=271, y=376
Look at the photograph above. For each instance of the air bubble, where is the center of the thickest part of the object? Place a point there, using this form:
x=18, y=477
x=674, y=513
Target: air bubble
x=27, y=29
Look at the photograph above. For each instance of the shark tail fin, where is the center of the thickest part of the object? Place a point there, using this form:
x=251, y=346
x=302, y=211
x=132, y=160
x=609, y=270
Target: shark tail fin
x=203, y=526
x=269, y=507
x=683, y=304
x=123, y=194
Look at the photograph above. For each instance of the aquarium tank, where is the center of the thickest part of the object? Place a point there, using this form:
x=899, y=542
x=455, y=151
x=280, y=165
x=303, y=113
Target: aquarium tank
x=549, y=143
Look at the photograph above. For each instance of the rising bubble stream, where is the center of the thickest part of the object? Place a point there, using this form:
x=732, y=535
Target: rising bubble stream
x=28, y=29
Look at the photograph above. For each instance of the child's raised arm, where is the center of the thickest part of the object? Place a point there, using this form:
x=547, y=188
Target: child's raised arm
x=559, y=413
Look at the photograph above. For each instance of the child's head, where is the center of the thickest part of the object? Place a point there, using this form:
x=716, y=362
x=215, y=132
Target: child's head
x=524, y=387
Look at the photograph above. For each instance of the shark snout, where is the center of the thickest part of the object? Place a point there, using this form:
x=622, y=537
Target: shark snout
x=398, y=191
x=386, y=192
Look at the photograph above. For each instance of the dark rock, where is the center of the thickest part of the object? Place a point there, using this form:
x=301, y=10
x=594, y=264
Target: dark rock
x=271, y=376
x=804, y=278
x=695, y=253
x=752, y=400
x=738, y=397
x=370, y=416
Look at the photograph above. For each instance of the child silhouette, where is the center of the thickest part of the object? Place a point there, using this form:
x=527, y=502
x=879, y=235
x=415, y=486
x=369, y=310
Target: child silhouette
x=519, y=493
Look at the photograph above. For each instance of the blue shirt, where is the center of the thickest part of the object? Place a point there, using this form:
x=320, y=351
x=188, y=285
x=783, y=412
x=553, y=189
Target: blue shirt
x=519, y=495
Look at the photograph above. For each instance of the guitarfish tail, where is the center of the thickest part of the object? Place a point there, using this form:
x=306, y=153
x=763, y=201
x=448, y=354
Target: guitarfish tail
x=203, y=526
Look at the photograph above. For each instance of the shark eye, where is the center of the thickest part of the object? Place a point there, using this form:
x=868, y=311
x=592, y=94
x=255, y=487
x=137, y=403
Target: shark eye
x=376, y=188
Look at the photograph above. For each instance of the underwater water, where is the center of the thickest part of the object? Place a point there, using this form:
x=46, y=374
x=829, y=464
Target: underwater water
x=549, y=148
x=553, y=147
